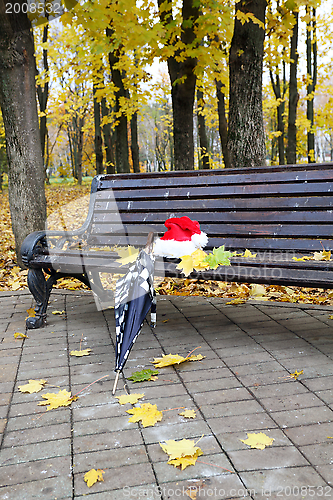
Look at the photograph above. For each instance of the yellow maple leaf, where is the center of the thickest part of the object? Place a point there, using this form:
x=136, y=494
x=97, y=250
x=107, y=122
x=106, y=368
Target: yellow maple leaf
x=127, y=255
x=235, y=302
x=186, y=265
x=302, y=259
x=185, y=461
x=33, y=386
x=188, y=414
x=91, y=477
x=168, y=360
x=129, y=398
x=84, y=352
x=147, y=413
x=257, y=440
x=174, y=359
x=323, y=255
x=296, y=374
x=181, y=448
x=248, y=254
x=58, y=312
x=31, y=312
x=54, y=400
x=19, y=335
x=197, y=257
x=195, y=357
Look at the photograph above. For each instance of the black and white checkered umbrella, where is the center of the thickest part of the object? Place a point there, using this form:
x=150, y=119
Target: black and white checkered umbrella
x=133, y=298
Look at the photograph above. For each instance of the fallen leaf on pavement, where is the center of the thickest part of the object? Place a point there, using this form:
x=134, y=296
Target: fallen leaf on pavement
x=61, y=398
x=174, y=359
x=181, y=453
x=84, y=352
x=257, y=440
x=31, y=313
x=33, y=386
x=93, y=476
x=188, y=414
x=296, y=374
x=19, y=335
x=143, y=375
x=129, y=398
x=58, y=312
x=147, y=413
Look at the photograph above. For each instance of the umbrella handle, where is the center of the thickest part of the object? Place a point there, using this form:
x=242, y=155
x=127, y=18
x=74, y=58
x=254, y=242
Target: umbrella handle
x=150, y=241
x=115, y=382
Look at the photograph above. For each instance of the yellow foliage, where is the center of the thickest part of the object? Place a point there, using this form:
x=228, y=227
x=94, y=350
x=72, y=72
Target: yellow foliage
x=33, y=386
x=55, y=400
x=147, y=413
x=257, y=440
x=91, y=477
x=129, y=398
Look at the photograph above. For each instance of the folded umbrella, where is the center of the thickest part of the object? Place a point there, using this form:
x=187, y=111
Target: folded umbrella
x=134, y=297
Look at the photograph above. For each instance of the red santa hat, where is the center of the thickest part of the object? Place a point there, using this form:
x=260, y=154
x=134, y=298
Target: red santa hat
x=183, y=237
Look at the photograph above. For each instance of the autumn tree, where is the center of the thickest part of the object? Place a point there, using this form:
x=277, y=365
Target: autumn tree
x=181, y=66
x=293, y=94
x=19, y=111
x=246, y=143
x=311, y=65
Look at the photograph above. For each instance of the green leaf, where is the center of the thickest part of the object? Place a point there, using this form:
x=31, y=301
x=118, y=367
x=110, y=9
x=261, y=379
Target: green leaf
x=142, y=375
x=220, y=256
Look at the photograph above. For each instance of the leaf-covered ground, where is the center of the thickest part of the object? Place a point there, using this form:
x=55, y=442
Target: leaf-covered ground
x=67, y=208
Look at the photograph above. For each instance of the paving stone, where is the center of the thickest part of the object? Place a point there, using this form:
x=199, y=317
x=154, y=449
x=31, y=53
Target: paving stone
x=318, y=454
x=59, y=488
x=118, y=478
x=269, y=458
x=290, y=402
x=311, y=434
x=46, y=433
x=254, y=421
x=304, y=416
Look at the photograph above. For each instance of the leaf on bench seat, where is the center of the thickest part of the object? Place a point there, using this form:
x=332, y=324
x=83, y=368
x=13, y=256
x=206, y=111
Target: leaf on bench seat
x=127, y=254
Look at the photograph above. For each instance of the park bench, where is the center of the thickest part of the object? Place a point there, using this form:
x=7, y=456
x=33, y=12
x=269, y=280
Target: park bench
x=277, y=212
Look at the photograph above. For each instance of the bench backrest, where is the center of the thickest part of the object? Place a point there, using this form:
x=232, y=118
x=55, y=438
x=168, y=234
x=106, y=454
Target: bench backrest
x=278, y=208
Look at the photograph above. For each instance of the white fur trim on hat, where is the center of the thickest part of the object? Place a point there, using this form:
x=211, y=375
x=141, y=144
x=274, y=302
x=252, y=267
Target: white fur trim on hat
x=173, y=248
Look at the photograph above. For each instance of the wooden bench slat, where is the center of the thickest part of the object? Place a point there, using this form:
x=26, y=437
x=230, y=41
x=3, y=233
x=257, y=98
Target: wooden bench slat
x=216, y=204
x=206, y=192
x=297, y=173
x=297, y=217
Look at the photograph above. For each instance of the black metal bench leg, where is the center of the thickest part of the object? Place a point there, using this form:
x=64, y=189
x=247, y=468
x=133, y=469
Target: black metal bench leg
x=40, y=289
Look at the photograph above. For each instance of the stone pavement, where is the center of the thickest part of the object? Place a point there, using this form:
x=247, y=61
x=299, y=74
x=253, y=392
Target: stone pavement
x=243, y=385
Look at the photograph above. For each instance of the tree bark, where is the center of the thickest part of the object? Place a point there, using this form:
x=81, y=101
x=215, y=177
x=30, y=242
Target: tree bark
x=279, y=114
x=246, y=140
x=293, y=95
x=121, y=132
x=183, y=81
x=311, y=59
x=98, y=135
x=19, y=111
x=134, y=143
x=203, y=156
x=108, y=142
x=223, y=123
x=43, y=95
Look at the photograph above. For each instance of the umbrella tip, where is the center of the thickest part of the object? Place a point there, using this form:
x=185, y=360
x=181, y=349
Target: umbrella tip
x=115, y=382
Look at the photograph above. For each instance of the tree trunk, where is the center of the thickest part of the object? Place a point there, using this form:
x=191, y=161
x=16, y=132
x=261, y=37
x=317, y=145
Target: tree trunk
x=19, y=111
x=98, y=135
x=121, y=132
x=223, y=124
x=203, y=156
x=43, y=95
x=293, y=95
x=279, y=115
x=108, y=142
x=134, y=143
x=183, y=81
x=311, y=59
x=246, y=140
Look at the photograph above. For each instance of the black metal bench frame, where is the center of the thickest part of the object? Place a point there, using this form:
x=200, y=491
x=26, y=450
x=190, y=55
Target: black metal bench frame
x=277, y=212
